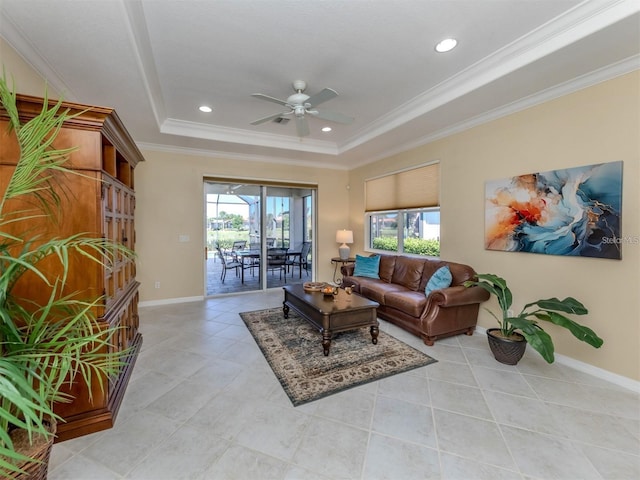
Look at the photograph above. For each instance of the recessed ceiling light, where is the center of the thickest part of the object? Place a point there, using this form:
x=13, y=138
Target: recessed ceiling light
x=446, y=45
x=326, y=129
x=205, y=109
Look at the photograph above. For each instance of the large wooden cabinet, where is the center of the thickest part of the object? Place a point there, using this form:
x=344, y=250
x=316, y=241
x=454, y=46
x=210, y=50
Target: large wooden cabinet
x=99, y=202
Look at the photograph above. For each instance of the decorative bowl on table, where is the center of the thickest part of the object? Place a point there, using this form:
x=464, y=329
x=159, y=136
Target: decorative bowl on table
x=313, y=286
x=329, y=290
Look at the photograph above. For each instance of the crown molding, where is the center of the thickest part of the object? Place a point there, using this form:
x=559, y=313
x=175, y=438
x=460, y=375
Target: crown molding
x=590, y=79
x=23, y=47
x=136, y=26
x=585, y=81
x=579, y=22
x=237, y=156
x=582, y=20
x=235, y=135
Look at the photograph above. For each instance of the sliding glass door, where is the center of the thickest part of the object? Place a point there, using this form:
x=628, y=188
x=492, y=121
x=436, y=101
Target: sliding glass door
x=256, y=236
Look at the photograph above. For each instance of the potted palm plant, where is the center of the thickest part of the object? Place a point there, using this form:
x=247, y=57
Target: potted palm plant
x=44, y=345
x=508, y=342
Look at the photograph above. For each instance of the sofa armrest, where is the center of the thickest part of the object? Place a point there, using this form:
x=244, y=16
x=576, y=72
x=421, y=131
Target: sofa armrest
x=456, y=296
x=347, y=269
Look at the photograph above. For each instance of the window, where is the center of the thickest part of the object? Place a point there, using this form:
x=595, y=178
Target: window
x=403, y=212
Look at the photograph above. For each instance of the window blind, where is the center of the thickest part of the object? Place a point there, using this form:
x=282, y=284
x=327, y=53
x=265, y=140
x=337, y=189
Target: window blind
x=415, y=188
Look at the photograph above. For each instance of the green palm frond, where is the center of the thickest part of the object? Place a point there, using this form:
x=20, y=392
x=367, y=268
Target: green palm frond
x=44, y=346
x=21, y=406
x=61, y=341
x=38, y=159
x=98, y=250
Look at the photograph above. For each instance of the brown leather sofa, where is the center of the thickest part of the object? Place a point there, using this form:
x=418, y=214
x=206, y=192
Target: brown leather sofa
x=400, y=291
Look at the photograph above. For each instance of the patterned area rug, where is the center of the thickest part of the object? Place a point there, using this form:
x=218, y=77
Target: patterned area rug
x=293, y=349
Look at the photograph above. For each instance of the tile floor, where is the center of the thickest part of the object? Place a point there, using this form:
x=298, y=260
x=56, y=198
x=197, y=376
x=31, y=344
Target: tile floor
x=204, y=404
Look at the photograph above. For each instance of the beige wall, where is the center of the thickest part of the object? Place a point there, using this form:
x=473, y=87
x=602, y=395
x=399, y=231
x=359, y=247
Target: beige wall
x=596, y=125
x=170, y=202
x=18, y=71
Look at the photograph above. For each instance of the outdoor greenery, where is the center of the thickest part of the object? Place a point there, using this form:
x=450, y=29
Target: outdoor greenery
x=225, y=238
x=43, y=346
x=526, y=322
x=234, y=221
x=417, y=246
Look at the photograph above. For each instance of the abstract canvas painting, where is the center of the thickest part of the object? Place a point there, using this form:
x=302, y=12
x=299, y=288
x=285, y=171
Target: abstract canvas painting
x=573, y=211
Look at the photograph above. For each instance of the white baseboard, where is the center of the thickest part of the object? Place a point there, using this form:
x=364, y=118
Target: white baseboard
x=614, y=378
x=597, y=372
x=170, y=301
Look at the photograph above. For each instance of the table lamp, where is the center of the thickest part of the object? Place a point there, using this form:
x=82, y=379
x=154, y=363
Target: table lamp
x=344, y=237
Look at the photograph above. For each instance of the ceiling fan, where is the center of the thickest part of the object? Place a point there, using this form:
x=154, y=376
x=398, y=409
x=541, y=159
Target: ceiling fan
x=301, y=104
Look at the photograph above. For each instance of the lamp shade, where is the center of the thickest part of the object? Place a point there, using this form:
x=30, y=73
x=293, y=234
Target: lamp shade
x=344, y=236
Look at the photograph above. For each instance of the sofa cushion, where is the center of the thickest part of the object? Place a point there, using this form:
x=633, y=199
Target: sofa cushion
x=409, y=302
x=367, y=266
x=440, y=279
x=387, y=265
x=357, y=282
x=430, y=267
x=408, y=272
x=378, y=290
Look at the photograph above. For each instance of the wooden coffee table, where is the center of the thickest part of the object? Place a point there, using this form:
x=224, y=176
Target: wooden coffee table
x=331, y=314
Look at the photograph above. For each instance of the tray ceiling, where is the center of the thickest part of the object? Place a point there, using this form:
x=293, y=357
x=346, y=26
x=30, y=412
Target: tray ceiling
x=157, y=61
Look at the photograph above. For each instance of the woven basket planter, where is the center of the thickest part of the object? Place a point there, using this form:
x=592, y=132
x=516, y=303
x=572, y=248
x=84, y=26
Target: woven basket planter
x=506, y=350
x=39, y=451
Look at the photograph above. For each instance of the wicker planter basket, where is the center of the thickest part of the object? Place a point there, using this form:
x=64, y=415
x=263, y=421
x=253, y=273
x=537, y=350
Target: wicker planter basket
x=506, y=350
x=39, y=450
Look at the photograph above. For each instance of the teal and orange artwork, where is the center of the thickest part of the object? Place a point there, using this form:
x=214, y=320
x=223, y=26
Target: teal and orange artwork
x=574, y=211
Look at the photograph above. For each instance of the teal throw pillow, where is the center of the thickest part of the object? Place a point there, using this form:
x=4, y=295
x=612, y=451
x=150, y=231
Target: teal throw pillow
x=367, y=266
x=440, y=279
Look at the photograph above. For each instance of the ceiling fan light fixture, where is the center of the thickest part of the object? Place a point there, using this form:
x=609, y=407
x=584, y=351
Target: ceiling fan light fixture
x=301, y=105
x=446, y=45
x=205, y=109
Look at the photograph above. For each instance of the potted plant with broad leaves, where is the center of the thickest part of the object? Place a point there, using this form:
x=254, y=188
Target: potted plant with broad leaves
x=44, y=345
x=508, y=342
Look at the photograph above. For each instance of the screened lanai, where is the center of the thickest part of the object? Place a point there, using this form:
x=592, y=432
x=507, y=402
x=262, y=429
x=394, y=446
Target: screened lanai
x=245, y=223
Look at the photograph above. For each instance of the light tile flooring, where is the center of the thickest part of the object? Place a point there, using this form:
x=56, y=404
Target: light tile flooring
x=204, y=404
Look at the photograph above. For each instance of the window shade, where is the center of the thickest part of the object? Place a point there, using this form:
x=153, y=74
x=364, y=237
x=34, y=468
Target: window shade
x=415, y=188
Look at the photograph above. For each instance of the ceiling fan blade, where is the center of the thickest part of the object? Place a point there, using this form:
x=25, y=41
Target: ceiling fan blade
x=321, y=97
x=302, y=126
x=269, y=99
x=266, y=119
x=333, y=117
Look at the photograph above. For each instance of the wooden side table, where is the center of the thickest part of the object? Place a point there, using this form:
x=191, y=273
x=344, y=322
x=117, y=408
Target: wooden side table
x=339, y=261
